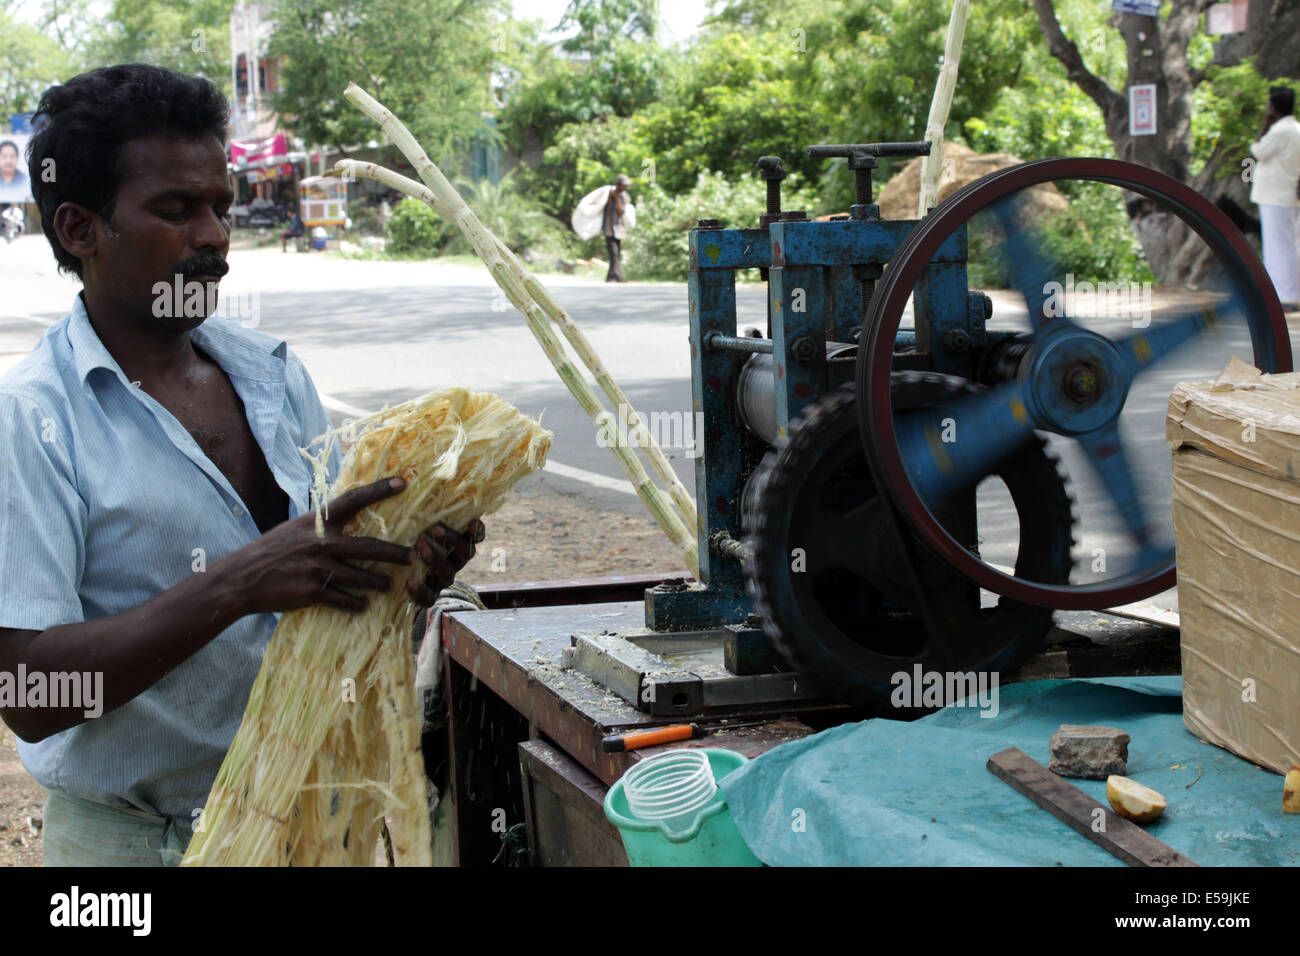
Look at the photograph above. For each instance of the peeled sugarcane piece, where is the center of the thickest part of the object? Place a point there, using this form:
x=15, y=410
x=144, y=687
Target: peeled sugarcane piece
x=330, y=741
x=932, y=165
x=529, y=296
x=1291, y=790
x=1134, y=801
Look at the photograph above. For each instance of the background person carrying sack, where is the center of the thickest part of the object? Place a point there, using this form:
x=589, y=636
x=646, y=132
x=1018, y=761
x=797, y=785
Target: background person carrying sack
x=607, y=210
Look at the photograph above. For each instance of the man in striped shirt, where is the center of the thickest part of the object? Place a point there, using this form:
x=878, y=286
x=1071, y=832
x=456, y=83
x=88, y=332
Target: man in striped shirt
x=155, y=518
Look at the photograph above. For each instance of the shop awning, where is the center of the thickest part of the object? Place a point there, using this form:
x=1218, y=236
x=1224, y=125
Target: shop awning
x=268, y=163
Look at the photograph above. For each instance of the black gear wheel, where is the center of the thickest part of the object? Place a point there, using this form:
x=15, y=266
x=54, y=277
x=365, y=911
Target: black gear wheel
x=831, y=581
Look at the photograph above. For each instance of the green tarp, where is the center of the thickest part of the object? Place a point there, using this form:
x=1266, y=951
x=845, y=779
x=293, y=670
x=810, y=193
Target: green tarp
x=891, y=793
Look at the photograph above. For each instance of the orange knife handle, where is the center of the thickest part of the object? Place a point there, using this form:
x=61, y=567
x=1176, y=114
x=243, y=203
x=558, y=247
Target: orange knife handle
x=617, y=743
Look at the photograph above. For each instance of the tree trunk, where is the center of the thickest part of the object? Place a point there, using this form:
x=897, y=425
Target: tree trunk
x=1272, y=36
x=1157, y=54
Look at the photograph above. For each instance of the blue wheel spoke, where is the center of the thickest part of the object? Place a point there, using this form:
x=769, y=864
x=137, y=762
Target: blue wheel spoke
x=948, y=448
x=1145, y=348
x=1030, y=270
x=1106, y=453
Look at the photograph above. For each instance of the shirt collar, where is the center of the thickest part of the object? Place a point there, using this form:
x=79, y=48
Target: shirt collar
x=237, y=349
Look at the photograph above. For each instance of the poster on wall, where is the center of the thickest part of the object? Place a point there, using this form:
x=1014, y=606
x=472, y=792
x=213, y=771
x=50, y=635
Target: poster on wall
x=15, y=181
x=1142, y=110
x=1227, y=17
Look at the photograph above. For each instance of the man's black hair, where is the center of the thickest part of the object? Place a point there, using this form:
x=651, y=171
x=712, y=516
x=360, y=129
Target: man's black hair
x=88, y=119
x=8, y=142
x=1282, y=99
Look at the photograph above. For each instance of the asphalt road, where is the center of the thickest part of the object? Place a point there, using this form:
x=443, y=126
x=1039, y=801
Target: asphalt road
x=376, y=333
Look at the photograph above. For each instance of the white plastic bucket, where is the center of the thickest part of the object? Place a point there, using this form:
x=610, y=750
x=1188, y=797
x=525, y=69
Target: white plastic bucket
x=671, y=787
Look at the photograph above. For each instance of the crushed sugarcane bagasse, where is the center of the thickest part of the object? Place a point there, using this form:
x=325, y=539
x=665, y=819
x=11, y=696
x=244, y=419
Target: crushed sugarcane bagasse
x=329, y=747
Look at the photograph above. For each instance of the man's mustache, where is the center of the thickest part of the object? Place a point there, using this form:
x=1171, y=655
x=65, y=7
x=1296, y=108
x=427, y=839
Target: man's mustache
x=209, y=263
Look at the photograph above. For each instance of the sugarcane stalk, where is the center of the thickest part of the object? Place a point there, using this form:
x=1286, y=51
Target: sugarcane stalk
x=528, y=301
x=528, y=295
x=651, y=495
x=446, y=200
x=540, y=294
x=940, y=106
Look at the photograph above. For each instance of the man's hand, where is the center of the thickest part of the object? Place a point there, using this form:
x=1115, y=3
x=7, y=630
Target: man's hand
x=289, y=567
x=1271, y=117
x=444, y=552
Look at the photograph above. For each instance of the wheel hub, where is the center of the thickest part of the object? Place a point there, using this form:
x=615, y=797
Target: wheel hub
x=1082, y=383
x=1077, y=382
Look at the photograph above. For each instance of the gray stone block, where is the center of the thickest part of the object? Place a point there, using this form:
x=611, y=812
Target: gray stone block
x=1089, y=752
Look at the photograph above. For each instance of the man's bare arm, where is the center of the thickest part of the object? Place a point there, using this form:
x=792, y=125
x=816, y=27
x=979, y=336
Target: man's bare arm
x=287, y=568
x=133, y=650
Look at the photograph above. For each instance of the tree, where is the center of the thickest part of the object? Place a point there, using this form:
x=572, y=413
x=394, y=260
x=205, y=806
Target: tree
x=558, y=98
x=731, y=100
x=864, y=71
x=1164, y=52
x=429, y=61
x=871, y=65
x=770, y=78
x=73, y=24
x=601, y=22
x=1272, y=37
x=189, y=36
x=30, y=62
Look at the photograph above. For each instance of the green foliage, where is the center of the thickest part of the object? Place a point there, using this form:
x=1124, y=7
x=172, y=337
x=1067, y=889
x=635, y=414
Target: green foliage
x=583, y=157
x=592, y=152
x=30, y=62
x=555, y=101
x=658, y=248
x=871, y=65
x=75, y=25
x=1091, y=240
x=1093, y=28
x=415, y=229
x=426, y=60
x=793, y=72
x=189, y=36
x=771, y=80
x=1230, y=109
x=602, y=22
x=732, y=100
x=365, y=220
x=550, y=91
x=1044, y=115
x=510, y=216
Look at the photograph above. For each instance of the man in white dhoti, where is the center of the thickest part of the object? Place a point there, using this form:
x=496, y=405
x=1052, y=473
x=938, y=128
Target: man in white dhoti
x=1274, y=190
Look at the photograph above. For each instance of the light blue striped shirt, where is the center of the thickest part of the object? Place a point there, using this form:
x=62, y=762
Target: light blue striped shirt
x=105, y=498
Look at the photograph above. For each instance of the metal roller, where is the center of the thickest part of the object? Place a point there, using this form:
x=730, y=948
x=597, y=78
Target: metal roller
x=756, y=387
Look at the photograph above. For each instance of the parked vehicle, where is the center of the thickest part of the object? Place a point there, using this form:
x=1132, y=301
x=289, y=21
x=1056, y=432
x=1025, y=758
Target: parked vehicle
x=12, y=219
x=258, y=214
